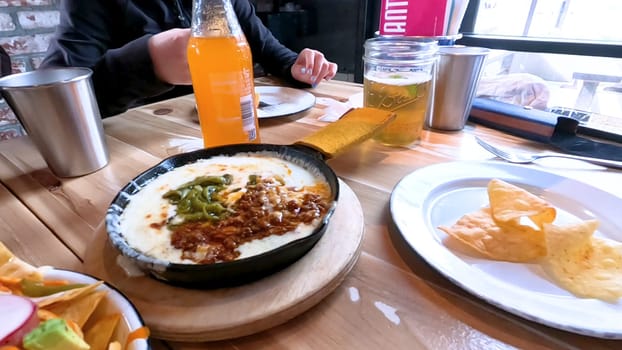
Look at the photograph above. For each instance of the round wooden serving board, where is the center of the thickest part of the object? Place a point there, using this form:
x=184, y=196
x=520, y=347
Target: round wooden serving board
x=180, y=314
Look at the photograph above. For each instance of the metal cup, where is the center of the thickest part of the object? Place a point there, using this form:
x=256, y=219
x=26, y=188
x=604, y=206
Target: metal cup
x=58, y=109
x=459, y=70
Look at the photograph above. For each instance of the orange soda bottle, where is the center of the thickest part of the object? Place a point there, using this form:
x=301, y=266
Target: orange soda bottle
x=221, y=67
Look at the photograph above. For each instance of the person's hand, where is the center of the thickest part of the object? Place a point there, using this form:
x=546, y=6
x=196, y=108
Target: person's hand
x=168, y=51
x=311, y=67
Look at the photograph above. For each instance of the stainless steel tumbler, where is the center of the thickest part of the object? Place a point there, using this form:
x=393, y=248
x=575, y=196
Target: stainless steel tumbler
x=58, y=109
x=459, y=70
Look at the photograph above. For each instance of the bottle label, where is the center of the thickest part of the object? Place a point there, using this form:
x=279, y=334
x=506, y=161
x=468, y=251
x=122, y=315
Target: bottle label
x=248, y=116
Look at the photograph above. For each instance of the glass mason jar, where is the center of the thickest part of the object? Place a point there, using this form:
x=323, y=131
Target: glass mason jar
x=399, y=76
x=221, y=68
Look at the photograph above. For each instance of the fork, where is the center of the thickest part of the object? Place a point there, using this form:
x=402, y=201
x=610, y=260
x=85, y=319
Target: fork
x=524, y=158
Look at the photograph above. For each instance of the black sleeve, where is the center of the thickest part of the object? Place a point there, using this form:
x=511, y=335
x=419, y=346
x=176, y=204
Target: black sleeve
x=122, y=72
x=5, y=63
x=273, y=56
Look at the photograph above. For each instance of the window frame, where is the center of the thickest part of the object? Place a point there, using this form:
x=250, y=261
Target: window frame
x=515, y=119
x=525, y=44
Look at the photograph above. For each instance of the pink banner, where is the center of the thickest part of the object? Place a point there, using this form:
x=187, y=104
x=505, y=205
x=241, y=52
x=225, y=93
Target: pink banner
x=414, y=17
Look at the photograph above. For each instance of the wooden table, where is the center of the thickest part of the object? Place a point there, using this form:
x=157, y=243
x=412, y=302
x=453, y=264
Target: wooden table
x=47, y=220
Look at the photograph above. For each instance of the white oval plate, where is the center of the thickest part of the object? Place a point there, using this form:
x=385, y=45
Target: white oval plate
x=115, y=302
x=440, y=194
x=282, y=101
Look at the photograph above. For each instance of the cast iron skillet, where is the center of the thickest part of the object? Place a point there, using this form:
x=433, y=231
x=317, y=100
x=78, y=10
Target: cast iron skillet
x=355, y=126
x=224, y=273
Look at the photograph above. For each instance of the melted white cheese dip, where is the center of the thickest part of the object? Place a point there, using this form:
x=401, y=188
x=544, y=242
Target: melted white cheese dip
x=147, y=209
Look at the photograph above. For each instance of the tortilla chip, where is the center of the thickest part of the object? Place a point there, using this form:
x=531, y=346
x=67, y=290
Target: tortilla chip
x=5, y=254
x=587, y=266
x=77, y=309
x=100, y=334
x=12, y=266
x=43, y=302
x=115, y=345
x=497, y=241
x=510, y=203
x=45, y=315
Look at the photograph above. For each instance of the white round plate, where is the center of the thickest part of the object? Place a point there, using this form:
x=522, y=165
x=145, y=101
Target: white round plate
x=115, y=302
x=277, y=101
x=440, y=194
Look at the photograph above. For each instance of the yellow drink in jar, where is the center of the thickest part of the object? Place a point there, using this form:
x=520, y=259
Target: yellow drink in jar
x=408, y=94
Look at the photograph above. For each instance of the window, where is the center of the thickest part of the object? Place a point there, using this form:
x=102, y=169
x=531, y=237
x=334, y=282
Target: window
x=558, y=19
x=559, y=56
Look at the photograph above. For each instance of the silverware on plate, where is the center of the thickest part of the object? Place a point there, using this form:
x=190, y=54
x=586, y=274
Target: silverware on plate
x=524, y=158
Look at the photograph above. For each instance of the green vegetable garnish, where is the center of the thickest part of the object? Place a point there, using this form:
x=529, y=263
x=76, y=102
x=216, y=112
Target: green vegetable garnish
x=199, y=199
x=39, y=289
x=396, y=76
x=412, y=90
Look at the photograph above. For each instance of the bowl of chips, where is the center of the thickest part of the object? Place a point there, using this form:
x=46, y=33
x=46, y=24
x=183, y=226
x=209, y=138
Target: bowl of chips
x=53, y=308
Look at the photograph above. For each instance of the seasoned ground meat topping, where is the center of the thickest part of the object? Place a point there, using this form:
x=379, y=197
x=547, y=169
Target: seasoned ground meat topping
x=266, y=207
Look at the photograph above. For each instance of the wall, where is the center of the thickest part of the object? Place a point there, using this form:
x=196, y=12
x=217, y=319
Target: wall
x=337, y=28
x=338, y=32
x=26, y=27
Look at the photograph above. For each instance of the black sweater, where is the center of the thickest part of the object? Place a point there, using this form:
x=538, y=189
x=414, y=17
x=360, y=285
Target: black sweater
x=110, y=37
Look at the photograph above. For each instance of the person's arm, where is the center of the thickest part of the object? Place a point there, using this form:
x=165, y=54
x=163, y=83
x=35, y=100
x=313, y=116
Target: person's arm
x=5, y=63
x=89, y=35
x=303, y=69
x=273, y=56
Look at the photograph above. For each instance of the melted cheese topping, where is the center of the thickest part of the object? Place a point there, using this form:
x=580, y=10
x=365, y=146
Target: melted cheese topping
x=147, y=209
